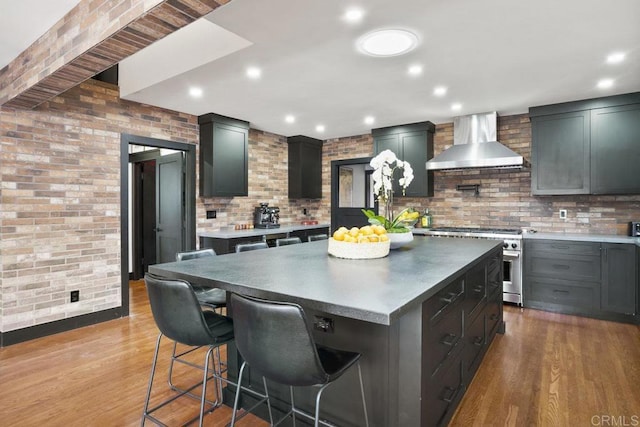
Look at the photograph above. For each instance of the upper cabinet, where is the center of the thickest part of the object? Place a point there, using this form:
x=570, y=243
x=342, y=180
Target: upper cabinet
x=305, y=167
x=224, y=156
x=412, y=143
x=586, y=147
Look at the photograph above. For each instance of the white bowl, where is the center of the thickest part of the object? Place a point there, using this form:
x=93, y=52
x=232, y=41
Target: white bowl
x=358, y=250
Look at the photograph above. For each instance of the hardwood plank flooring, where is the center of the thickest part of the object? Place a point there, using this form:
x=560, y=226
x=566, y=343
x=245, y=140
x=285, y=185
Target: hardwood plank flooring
x=547, y=370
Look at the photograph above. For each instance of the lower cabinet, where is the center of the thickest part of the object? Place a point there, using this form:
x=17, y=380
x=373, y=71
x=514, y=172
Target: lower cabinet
x=584, y=278
x=463, y=319
x=227, y=245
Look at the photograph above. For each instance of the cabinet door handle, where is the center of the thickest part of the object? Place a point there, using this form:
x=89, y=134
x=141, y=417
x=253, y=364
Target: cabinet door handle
x=561, y=266
x=449, y=340
x=494, y=316
x=451, y=298
x=448, y=394
x=478, y=289
x=478, y=341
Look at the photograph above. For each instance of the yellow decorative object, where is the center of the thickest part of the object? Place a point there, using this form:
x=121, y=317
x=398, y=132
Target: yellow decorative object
x=361, y=250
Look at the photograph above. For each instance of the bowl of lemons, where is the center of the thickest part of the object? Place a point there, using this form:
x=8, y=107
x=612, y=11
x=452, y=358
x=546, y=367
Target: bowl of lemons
x=367, y=242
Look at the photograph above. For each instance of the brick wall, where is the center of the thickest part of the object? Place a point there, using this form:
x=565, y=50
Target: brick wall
x=60, y=200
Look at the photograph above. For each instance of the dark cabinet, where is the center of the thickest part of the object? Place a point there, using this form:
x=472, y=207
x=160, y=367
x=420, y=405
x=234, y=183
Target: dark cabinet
x=412, y=143
x=619, y=278
x=305, y=167
x=586, y=147
x=615, y=150
x=560, y=153
x=224, y=156
x=585, y=278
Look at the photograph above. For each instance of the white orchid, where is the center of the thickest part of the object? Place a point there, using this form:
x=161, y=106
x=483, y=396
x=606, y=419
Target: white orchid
x=384, y=164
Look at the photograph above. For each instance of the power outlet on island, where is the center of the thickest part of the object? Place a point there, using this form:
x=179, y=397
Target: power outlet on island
x=323, y=324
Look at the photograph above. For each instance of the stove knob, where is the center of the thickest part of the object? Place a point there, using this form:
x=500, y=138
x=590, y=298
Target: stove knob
x=505, y=245
x=514, y=245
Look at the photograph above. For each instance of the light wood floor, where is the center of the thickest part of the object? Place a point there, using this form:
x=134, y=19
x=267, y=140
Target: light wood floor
x=547, y=370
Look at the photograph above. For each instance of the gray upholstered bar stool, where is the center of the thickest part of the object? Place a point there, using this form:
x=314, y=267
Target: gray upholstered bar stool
x=179, y=317
x=276, y=340
x=284, y=241
x=243, y=247
x=213, y=298
x=315, y=237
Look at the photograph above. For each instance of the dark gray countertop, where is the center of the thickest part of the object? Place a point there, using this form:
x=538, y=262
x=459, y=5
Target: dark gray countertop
x=597, y=238
x=233, y=234
x=377, y=290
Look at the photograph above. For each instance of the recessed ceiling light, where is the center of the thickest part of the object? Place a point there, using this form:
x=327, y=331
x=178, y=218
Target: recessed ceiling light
x=440, y=91
x=456, y=107
x=615, y=58
x=415, y=70
x=605, y=83
x=195, y=92
x=289, y=118
x=387, y=42
x=369, y=120
x=320, y=128
x=353, y=15
x=254, y=72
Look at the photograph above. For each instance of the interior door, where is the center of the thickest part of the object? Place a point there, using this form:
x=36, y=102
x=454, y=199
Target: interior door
x=351, y=191
x=169, y=207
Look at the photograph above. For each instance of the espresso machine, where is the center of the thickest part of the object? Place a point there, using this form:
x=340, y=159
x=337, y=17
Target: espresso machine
x=266, y=217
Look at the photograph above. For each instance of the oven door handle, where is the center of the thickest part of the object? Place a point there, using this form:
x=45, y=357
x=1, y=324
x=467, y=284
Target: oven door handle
x=511, y=254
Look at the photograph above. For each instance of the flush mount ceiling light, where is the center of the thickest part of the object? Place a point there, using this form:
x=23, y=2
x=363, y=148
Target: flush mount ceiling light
x=369, y=120
x=456, y=106
x=615, y=58
x=195, y=92
x=415, y=70
x=353, y=15
x=605, y=83
x=290, y=118
x=391, y=42
x=320, y=128
x=254, y=72
x=440, y=91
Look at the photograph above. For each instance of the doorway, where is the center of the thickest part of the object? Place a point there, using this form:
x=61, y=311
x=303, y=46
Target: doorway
x=160, y=181
x=351, y=191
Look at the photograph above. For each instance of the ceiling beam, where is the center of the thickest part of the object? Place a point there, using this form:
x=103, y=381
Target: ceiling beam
x=92, y=37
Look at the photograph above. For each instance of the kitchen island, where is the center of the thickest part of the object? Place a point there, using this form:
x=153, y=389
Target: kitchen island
x=422, y=317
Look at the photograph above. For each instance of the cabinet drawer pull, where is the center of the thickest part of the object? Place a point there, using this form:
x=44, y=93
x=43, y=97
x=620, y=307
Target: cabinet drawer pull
x=448, y=394
x=494, y=316
x=560, y=291
x=478, y=341
x=449, y=340
x=560, y=246
x=449, y=299
x=561, y=266
x=478, y=289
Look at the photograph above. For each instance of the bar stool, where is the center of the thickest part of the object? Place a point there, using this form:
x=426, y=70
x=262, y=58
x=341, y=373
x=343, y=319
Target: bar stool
x=284, y=241
x=276, y=339
x=213, y=298
x=315, y=237
x=243, y=247
x=179, y=317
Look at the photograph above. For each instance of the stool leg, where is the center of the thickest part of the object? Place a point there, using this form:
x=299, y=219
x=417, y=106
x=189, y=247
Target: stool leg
x=204, y=383
x=237, y=398
x=153, y=371
x=364, y=402
x=266, y=393
x=318, y=396
x=293, y=407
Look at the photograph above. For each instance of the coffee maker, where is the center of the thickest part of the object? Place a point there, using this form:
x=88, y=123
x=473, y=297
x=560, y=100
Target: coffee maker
x=266, y=217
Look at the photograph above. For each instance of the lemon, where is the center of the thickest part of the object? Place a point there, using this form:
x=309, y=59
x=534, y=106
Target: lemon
x=384, y=237
x=339, y=234
x=366, y=230
x=354, y=231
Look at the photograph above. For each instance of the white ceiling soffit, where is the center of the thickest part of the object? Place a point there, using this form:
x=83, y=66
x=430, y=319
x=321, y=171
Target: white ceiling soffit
x=22, y=22
x=190, y=47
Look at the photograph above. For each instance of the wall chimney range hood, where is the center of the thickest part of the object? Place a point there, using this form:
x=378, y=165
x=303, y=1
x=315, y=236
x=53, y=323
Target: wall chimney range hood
x=475, y=146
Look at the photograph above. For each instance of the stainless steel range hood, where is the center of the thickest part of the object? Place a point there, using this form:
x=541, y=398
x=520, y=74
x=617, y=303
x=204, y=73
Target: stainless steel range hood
x=475, y=146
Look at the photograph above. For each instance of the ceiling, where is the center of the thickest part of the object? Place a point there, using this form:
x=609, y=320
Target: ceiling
x=491, y=55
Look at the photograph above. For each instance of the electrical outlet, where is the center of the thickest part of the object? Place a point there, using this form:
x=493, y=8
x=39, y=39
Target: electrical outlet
x=75, y=296
x=563, y=214
x=305, y=212
x=211, y=214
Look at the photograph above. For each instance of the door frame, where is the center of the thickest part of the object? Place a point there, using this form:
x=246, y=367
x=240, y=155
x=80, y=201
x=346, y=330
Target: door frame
x=335, y=186
x=190, y=200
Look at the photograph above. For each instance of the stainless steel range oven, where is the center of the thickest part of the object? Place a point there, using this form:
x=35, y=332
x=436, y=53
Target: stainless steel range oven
x=511, y=254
